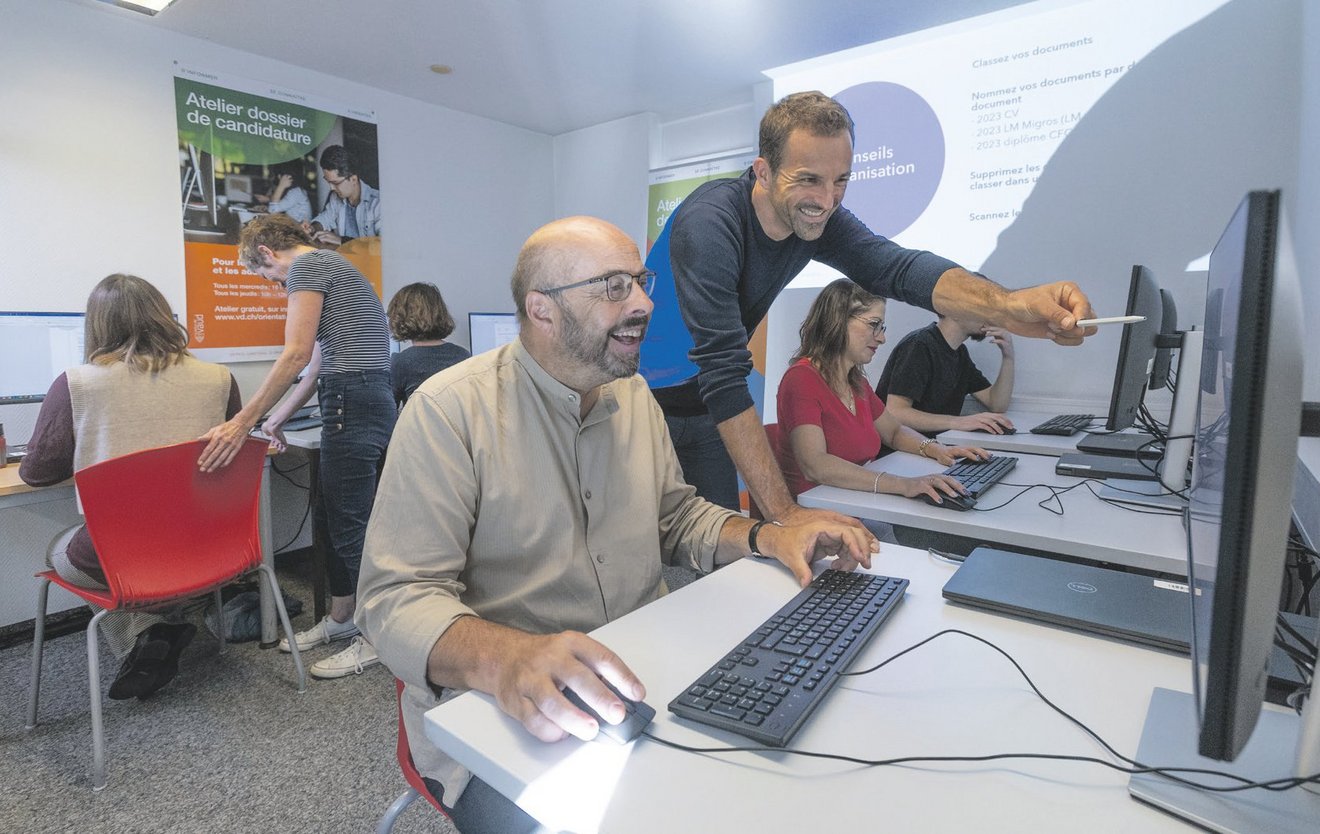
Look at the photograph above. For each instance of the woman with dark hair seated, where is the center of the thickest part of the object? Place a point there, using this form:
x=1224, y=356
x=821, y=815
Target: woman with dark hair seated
x=831, y=422
x=418, y=314
x=139, y=388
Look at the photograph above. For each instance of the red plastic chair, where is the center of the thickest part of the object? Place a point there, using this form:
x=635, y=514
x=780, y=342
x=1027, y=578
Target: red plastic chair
x=164, y=532
x=416, y=787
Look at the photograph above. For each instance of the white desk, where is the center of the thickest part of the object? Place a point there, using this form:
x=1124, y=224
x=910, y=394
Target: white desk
x=1022, y=441
x=30, y=517
x=951, y=697
x=1089, y=528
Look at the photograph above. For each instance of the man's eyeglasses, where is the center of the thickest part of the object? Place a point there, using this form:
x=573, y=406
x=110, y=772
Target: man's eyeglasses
x=618, y=285
x=335, y=183
x=877, y=326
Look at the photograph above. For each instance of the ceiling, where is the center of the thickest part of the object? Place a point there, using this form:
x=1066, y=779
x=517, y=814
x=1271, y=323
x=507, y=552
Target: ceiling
x=553, y=66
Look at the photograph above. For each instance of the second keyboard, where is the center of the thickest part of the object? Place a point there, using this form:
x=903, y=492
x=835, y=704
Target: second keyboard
x=1064, y=424
x=977, y=476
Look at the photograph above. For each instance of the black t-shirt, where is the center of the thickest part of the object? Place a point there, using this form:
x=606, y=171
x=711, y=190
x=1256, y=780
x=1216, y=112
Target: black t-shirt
x=936, y=377
x=412, y=367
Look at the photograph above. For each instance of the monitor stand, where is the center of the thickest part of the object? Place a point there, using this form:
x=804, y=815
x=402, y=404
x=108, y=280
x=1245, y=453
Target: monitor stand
x=1169, y=740
x=1164, y=493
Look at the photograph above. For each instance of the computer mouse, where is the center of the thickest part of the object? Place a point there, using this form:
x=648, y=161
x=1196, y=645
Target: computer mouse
x=637, y=715
x=951, y=502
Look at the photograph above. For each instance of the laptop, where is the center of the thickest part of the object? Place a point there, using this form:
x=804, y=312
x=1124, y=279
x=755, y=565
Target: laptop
x=1113, y=603
x=1122, y=444
x=1081, y=465
x=1126, y=606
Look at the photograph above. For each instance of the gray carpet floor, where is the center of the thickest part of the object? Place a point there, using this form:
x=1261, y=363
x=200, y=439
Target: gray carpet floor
x=228, y=746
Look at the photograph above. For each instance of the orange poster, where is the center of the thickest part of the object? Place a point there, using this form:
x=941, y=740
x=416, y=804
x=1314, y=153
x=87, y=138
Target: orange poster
x=246, y=149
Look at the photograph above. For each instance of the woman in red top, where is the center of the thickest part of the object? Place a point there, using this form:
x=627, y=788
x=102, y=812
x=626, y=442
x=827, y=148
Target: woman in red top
x=831, y=422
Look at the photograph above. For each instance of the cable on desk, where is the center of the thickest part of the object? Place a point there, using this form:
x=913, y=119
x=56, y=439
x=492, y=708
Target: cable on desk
x=1055, y=492
x=1130, y=766
x=945, y=556
x=1123, y=505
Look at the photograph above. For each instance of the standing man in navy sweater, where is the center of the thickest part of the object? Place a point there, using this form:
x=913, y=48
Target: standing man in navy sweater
x=734, y=244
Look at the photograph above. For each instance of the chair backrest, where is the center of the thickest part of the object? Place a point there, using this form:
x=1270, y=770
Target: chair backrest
x=163, y=529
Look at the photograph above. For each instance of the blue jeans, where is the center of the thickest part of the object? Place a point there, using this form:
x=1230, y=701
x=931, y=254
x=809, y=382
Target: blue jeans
x=357, y=417
x=706, y=463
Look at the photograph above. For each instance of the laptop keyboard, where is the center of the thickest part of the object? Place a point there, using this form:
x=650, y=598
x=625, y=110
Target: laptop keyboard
x=767, y=686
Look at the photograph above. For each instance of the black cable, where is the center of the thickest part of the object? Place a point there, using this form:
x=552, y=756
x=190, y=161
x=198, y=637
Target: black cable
x=1123, y=505
x=1055, y=492
x=284, y=473
x=1132, y=766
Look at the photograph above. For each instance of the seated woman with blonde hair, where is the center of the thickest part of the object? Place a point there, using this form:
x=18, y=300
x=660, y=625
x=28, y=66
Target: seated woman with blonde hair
x=139, y=388
x=831, y=422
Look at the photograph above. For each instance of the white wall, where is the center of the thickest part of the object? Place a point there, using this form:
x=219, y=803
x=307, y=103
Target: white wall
x=89, y=166
x=602, y=171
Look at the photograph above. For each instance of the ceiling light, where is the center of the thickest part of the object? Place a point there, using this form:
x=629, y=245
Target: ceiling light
x=150, y=7
x=441, y=69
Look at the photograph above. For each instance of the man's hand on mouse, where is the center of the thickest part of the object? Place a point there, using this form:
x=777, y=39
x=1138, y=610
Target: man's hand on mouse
x=537, y=668
x=986, y=421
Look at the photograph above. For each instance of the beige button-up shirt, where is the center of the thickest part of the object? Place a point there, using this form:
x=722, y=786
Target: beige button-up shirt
x=498, y=500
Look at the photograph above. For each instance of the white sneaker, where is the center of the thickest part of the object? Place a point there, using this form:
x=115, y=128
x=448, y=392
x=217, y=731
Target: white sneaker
x=326, y=631
x=351, y=661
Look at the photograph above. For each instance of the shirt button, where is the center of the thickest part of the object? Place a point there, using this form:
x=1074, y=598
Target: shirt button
x=588, y=495
x=600, y=558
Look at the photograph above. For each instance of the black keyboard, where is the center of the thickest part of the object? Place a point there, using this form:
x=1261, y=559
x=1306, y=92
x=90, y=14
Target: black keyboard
x=1064, y=424
x=977, y=476
x=767, y=686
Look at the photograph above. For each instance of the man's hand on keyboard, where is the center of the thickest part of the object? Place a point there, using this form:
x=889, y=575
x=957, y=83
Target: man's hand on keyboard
x=805, y=539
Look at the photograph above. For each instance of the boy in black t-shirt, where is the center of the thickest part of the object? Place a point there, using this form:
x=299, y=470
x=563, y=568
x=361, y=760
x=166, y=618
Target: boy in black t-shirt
x=930, y=373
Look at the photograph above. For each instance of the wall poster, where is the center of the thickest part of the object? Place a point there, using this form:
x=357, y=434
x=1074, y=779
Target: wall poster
x=248, y=148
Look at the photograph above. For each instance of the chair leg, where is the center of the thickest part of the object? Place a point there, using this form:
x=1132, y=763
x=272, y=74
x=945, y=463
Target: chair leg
x=220, y=619
x=94, y=685
x=397, y=807
x=38, y=645
x=274, y=586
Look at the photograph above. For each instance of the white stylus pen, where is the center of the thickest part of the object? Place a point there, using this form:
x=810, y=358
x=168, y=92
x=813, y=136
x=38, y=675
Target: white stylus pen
x=1111, y=320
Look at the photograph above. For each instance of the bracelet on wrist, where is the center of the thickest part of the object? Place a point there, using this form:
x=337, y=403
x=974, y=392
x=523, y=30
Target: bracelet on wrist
x=875, y=488
x=751, y=537
x=921, y=449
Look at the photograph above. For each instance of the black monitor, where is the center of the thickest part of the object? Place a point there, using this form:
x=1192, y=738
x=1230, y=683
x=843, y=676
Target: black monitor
x=1237, y=523
x=1136, y=351
x=1164, y=346
x=1242, y=472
